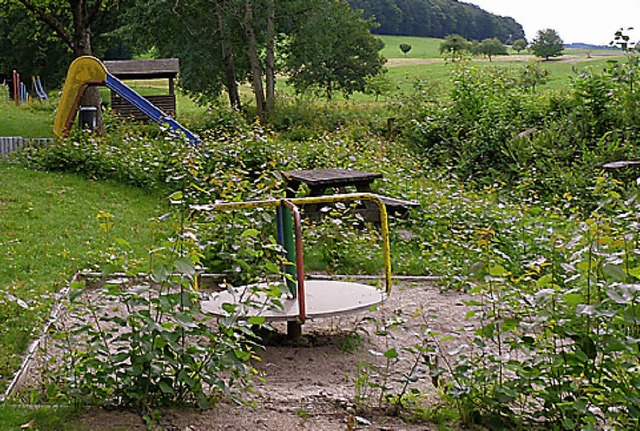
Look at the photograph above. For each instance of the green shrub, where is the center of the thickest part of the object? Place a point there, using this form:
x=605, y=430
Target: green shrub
x=144, y=342
x=556, y=343
x=4, y=93
x=494, y=130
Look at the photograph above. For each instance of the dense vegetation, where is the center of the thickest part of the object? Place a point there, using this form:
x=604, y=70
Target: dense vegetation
x=515, y=209
x=495, y=130
x=438, y=18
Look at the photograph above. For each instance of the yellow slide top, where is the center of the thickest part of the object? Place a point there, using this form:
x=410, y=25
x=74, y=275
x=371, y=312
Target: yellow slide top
x=84, y=71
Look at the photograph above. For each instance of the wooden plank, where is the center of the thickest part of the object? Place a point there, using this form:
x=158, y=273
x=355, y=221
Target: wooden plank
x=141, y=69
x=394, y=202
x=331, y=177
x=122, y=108
x=621, y=164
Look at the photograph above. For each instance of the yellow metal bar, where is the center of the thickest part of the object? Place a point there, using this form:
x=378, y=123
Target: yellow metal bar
x=83, y=71
x=384, y=218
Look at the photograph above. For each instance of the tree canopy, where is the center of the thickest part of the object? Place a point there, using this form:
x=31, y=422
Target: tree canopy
x=405, y=48
x=491, y=47
x=454, y=45
x=42, y=37
x=519, y=45
x=322, y=45
x=74, y=23
x=333, y=49
x=547, y=44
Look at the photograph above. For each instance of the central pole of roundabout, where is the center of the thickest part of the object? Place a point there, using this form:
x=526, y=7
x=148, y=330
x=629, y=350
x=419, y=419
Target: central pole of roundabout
x=291, y=264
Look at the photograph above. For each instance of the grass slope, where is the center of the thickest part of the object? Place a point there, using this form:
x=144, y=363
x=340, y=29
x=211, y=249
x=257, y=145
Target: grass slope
x=26, y=121
x=421, y=47
x=48, y=231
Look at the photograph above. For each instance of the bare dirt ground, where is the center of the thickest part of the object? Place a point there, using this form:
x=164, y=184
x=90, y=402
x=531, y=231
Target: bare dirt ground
x=311, y=385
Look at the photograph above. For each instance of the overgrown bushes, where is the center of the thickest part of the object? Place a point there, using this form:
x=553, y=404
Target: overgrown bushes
x=494, y=130
x=557, y=346
x=555, y=297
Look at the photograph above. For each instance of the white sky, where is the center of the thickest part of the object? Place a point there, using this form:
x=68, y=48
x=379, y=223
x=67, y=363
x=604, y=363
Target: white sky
x=587, y=21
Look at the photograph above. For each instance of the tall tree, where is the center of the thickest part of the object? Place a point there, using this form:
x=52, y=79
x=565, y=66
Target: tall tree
x=227, y=56
x=206, y=35
x=29, y=48
x=519, y=45
x=256, y=66
x=333, y=49
x=454, y=45
x=491, y=47
x=547, y=44
x=73, y=21
x=271, y=56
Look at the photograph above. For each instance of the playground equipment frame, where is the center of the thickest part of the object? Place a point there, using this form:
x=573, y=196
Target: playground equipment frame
x=86, y=71
x=299, y=294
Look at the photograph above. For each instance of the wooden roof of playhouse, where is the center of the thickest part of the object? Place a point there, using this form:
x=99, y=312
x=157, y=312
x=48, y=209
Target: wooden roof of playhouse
x=167, y=68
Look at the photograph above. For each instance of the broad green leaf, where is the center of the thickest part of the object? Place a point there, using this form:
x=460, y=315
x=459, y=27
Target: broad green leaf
x=185, y=266
x=497, y=271
x=635, y=272
x=391, y=353
x=256, y=320
x=616, y=272
x=250, y=232
x=544, y=281
x=176, y=197
x=573, y=298
x=165, y=387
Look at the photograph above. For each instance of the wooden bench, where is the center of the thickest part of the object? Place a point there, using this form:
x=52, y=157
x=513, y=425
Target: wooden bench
x=124, y=109
x=621, y=164
x=328, y=181
x=623, y=170
x=398, y=207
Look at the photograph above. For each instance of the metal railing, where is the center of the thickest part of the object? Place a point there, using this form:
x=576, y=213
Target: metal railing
x=291, y=203
x=11, y=144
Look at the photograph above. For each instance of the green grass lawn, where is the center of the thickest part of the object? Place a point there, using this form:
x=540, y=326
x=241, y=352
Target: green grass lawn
x=48, y=231
x=421, y=47
x=32, y=121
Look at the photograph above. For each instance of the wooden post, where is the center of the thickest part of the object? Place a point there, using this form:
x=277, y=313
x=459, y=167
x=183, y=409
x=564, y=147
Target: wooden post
x=294, y=330
x=390, y=128
x=16, y=88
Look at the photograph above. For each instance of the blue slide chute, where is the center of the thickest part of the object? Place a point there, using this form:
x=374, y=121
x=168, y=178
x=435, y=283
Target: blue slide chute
x=147, y=108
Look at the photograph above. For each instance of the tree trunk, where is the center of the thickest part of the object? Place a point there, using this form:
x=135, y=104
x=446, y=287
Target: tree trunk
x=78, y=38
x=256, y=67
x=82, y=46
x=271, y=58
x=229, y=65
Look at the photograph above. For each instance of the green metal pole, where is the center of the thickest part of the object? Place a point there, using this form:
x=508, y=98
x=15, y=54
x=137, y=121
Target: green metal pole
x=290, y=248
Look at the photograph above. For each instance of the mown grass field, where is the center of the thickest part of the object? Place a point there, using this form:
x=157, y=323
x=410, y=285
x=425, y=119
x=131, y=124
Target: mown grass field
x=421, y=47
x=33, y=121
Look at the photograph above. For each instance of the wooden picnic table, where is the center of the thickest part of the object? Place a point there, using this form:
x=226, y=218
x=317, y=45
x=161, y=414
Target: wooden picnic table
x=319, y=180
x=328, y=181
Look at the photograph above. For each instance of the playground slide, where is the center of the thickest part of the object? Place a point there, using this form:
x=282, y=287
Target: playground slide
x=38, y=88
x=87, y=70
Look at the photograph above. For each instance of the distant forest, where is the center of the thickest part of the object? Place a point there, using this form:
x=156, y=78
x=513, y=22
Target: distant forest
x=438, y=18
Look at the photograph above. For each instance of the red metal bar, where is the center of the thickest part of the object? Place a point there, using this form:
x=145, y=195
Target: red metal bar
x=16, y=88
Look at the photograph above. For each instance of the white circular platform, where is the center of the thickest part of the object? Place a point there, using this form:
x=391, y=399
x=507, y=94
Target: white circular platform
x=323, y=299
